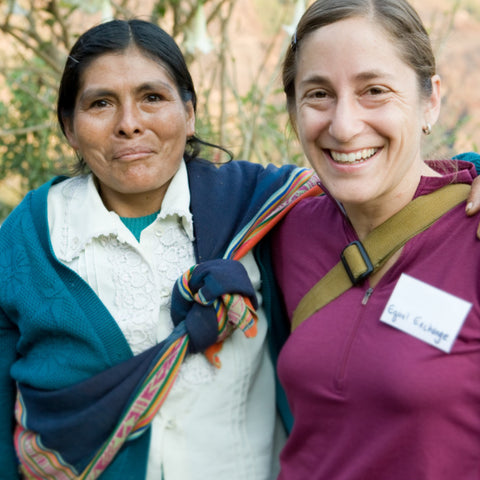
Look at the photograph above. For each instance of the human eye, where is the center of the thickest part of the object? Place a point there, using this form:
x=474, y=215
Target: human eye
x=96, y=101
x=375, y=95
x=376, y=90
x=99, y=103
x=318, y=98
x=317, y=94
x=95, y=98
x=153, y=97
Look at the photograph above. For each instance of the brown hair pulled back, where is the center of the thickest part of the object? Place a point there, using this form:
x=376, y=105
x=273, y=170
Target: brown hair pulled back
x=398, y=19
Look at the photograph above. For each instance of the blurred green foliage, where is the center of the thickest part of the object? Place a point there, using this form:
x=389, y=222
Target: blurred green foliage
x=39, y=35
x=241, y=106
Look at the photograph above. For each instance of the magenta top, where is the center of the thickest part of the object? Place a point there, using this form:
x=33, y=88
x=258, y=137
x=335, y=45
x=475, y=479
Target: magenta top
x=371, y=402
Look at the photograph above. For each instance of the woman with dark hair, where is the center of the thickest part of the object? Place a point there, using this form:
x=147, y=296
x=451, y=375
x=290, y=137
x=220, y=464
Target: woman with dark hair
x=382, y=373
x=105, y=368
x=117, y=36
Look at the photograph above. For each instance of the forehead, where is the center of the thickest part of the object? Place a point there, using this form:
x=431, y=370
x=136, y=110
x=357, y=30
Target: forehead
x=127, y=65
x=350, y=45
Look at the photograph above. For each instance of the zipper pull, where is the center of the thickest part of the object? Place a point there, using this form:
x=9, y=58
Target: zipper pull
x=367, y=295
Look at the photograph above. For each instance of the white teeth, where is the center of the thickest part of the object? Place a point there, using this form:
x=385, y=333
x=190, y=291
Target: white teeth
x=360, y=155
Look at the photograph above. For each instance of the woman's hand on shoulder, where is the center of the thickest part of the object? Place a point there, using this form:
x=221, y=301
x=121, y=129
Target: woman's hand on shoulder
x=473, y=201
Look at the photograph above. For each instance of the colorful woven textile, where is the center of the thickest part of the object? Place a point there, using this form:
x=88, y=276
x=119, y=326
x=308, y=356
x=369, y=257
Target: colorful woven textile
x=135, y=390
x=213, y=299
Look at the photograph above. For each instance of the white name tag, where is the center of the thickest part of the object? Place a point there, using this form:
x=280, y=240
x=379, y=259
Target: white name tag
x=426, y=312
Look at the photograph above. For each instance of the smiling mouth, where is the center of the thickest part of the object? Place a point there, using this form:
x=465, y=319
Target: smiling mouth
x=353, y=157
x=132, y=154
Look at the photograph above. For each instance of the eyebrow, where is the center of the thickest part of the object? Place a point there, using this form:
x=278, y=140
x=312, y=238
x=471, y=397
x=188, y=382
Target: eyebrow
x=362, y=76
x=373, y=74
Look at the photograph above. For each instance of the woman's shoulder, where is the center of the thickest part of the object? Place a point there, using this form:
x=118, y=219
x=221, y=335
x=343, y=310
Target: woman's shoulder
x=68, y=187
x=236, y=168
x=317, y=209
x=243, y=181
x=313, y=219
x=29, y=212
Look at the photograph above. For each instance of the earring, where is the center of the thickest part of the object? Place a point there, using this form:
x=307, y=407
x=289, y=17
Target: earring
x=427, y=129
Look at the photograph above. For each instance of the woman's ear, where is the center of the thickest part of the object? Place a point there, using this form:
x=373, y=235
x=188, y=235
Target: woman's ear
x=433, y=103
x=190, y=118
x=69, y=133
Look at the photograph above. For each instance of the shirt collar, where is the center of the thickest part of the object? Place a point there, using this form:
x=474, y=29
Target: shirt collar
x=77, y=214
x=177, y=200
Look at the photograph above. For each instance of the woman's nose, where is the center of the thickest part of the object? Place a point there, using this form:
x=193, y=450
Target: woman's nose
x=345, y=122
x=129, y=121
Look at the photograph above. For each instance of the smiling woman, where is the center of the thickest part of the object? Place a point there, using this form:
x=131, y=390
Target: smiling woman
x=361, y=91
x=359, y=117
x=374, y=105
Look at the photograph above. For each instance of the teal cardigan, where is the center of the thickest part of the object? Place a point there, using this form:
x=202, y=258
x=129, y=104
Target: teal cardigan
x=54, y=330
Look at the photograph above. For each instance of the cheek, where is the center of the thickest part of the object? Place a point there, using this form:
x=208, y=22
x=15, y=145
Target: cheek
x=310, y=125
x=311, y=122
x=399, y=122
x=90, y=133
x=403, y=137
x=94, y=149
x=172, y=122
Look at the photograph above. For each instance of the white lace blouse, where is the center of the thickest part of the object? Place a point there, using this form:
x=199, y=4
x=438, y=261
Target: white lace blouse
x=215, y=423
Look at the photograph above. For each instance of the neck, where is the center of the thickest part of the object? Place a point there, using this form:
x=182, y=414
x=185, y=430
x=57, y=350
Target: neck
x=133, y=205
x=366, y=216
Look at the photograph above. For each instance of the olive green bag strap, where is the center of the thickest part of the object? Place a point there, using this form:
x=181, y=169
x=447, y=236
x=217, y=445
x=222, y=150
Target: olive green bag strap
x=360, y=259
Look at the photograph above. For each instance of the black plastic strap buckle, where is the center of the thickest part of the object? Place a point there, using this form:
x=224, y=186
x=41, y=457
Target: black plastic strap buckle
x=356, y=261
